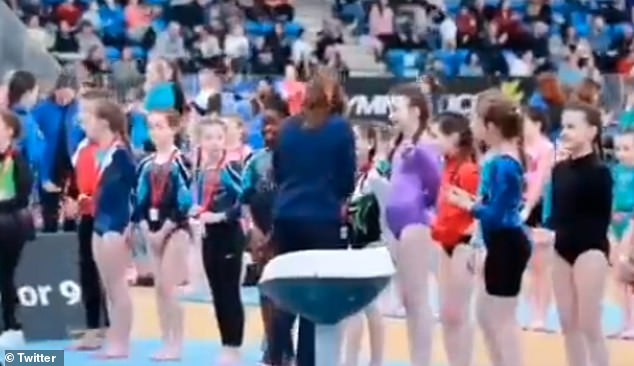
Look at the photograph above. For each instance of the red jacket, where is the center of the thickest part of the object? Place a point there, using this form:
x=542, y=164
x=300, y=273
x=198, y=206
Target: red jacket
x=87, y=175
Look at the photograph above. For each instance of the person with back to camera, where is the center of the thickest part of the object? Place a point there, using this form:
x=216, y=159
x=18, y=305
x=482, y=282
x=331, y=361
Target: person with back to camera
x=314, y=168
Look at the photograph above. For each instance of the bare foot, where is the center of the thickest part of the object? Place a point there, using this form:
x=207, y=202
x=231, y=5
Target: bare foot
x=167, y=354
x=89, y=341
x=627, y=334
x=113, y=353
x=540, y=326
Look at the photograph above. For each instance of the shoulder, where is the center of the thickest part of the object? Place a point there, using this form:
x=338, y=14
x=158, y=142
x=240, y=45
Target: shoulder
x=507, y=165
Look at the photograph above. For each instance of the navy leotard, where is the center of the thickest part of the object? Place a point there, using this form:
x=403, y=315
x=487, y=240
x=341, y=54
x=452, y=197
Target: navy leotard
x=114, y=192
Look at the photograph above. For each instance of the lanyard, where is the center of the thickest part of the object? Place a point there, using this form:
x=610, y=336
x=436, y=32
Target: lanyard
x=210, y=187
x=159, y=179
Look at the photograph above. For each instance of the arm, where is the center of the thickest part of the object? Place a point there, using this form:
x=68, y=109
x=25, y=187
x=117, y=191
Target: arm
x=430, y=174
x=535, y=191
x=505, y=185
x=231, y=180
x=23, y=185
x=601, y=189
x=346, y=167
x=184, y=197
x=248, y=182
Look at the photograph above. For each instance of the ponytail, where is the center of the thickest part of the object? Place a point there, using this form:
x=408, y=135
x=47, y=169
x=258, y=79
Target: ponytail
x=397, y=142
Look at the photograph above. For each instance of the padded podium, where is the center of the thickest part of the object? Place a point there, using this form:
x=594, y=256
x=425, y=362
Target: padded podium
x=327, y=286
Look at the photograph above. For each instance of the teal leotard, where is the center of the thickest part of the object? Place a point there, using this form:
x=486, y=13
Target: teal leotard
x=623, y=203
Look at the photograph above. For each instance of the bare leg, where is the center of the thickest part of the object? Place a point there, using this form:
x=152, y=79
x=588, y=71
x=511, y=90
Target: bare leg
x=590, y=273
x=412, y=261
x=112, y=255
x=376, y=330
x=567, y=300
x=455, y=287
x=541, y=286
x=353, y=336
x=171, y=274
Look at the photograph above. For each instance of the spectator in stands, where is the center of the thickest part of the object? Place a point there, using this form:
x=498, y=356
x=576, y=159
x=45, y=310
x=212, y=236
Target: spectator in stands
x=538, y=11
x=279, y=9
x=301, y=50
x=138, y=19
x=472, y=67
x=569, y=71
x=65, y=41
x=468, y=32
x=39, y=34
x=68, y=12
x=125, y=72
x=236, y=46
x=95, y=62
x=208, y=47
x=57, y=117
x=87, y=38
x=293, y=90
x=381, y=21
x=170, y=44
x=112, y=24
x=330, y=35
x=540, y=44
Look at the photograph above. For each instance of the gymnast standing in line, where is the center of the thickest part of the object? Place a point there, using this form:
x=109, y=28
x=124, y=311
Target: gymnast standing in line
x=508, y=246
x=451, y=229
x=16, y=181
x=580, y=217
x=163, y=203
x=621, y=228
x=364, y=229
x=105, y=124
x=218, y=188
x=84, y=161
x=540, y=153
x=416, y=170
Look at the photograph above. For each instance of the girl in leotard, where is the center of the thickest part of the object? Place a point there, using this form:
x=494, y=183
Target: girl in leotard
x=86, y=174
x=105, y=124
x=621, y=228
x=218, y=189
x=365, y=229
x=415, y=180
x=540, y=154
x=508, y=247
x=16, y=181
x=163, y=202
x=452, y=230
x=580, y=216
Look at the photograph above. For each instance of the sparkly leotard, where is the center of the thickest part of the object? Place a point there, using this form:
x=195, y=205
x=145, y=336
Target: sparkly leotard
x=415, y=181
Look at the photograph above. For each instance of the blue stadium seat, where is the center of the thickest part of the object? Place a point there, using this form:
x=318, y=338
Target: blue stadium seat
x=139, y=53
x=403, y=63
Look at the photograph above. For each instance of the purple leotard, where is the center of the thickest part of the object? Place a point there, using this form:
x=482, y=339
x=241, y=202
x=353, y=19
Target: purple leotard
x=416, y=172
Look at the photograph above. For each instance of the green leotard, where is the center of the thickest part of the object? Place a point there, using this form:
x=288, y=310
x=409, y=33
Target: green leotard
x=623, y=203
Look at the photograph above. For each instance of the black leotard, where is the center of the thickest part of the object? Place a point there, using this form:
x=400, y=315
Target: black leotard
x=581, y=206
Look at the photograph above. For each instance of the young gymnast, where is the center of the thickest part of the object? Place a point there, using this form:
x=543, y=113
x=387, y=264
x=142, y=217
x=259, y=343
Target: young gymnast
x=580, y=216
x=258, y=193
x=508, y=247
x=621, y=228
x=105, y=125
x=86, y=174
x=163, y=203
x=452, y=230
x=16, y=181
x=540, y=154
x=365, y=229
x=415, y=181
x=218, y=189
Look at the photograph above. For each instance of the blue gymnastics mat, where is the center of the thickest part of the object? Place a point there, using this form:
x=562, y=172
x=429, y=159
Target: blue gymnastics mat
x=196, y=353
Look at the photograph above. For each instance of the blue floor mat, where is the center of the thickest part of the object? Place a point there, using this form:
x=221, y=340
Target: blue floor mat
x=196, y=353
x=250, y=296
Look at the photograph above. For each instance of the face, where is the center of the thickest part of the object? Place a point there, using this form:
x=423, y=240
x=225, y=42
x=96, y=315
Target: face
x=624, y=148
x=213, y=137
x=290, y=72
x=30, y=98
x=234, y=131
x=575, y=130
x=270, y=132
x=93, y=126
x=160, y=131
x=401, y=113
x=446, y=142
x=478, y=128
x=64, y=96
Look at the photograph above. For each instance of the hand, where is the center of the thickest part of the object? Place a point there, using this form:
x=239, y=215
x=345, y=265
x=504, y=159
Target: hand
x=461, y=198
x=71, y=208
x=195, y=211
x=50, y=187
x=561, y=154
x=618, y=216
x=216, y=217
